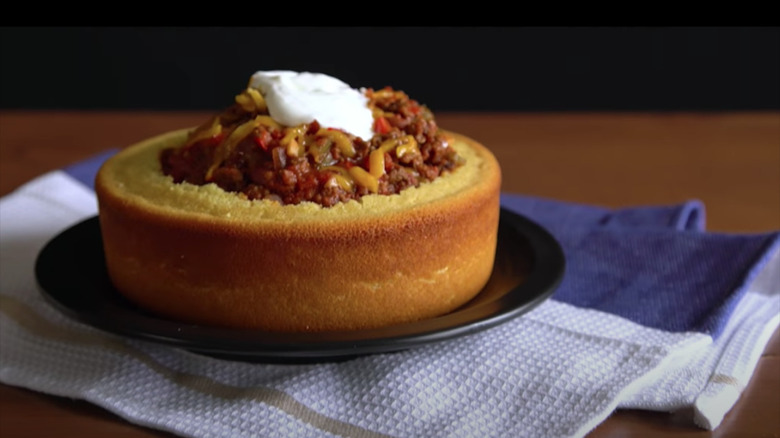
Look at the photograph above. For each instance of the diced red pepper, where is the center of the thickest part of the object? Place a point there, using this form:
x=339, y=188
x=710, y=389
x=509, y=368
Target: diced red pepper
x=263, y=139
x=381, y=125
x=259, y=141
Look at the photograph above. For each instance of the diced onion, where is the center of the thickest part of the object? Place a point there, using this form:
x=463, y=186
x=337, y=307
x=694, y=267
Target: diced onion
x=279, y=158
x=321, y=152
x=293, y=148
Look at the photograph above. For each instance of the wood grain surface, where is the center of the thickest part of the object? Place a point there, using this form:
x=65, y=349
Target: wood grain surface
x=729, y=161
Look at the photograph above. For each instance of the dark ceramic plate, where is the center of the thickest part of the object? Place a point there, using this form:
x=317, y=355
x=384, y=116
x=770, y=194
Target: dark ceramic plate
x=72, y=275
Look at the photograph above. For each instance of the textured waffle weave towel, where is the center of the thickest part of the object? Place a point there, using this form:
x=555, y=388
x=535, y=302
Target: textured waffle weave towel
x=653, y=313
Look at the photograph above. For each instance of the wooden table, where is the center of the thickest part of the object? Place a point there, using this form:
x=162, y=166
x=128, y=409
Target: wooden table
x=729, y=161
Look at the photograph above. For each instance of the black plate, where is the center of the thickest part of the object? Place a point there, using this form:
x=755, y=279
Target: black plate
x=72, y=275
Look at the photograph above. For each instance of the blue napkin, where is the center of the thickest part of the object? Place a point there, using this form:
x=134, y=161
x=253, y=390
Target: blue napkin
x=653, y=265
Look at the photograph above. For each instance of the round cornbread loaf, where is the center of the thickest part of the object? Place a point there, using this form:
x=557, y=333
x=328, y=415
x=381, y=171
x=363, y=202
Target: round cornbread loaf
x=199, y=254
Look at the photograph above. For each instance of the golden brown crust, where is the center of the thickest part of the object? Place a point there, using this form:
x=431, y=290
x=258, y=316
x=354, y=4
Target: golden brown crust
x=311, y=270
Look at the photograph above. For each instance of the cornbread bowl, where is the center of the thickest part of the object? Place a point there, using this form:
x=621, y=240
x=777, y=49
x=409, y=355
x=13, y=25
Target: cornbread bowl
x=199, y=254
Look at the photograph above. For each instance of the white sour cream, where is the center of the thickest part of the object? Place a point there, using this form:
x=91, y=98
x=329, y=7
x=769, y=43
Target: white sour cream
x=294, y=98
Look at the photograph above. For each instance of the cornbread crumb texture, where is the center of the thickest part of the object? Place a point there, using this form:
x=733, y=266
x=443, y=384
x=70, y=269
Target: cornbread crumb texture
x=134, y=174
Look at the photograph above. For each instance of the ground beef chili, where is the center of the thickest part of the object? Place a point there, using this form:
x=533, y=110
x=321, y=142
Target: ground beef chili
x=243, y=150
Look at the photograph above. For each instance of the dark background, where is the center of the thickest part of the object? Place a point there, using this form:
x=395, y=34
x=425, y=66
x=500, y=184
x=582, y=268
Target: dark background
x=447, y=68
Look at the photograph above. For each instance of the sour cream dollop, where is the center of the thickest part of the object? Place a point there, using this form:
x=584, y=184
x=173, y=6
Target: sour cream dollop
x=294, y=98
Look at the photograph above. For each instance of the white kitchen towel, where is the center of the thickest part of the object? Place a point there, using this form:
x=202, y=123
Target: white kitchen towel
x=557, y=371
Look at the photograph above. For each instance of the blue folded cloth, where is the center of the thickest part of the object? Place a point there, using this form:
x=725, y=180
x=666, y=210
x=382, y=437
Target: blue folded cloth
x=653, y=265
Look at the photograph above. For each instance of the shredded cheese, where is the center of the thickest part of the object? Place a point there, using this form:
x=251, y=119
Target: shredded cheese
x=364, y=178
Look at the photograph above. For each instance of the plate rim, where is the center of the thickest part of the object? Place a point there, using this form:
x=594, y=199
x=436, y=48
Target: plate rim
x=544, y=278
